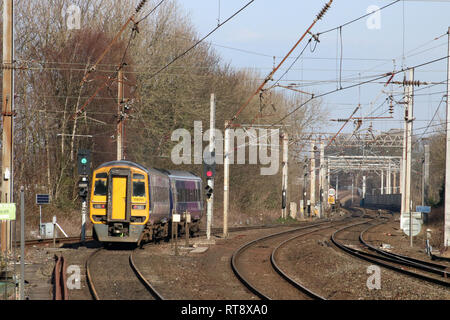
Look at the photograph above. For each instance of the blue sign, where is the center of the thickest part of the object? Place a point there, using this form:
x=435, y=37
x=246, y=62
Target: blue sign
x=423, y=209
x=42, y=199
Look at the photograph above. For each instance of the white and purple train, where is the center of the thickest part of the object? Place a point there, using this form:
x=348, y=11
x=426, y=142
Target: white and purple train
x=131, y=203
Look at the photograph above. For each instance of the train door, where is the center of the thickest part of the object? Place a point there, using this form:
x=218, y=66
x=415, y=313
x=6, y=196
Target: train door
x=119, y=208
x=119, y=199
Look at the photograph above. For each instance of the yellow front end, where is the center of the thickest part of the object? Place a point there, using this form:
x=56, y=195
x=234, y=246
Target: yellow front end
x=119, y=200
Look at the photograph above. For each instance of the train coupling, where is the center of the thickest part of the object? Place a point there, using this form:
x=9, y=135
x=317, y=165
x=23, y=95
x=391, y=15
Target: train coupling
x=118, y=229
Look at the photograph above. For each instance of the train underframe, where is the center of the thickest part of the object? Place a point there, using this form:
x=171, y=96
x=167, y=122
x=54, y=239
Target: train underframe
x=123, y=232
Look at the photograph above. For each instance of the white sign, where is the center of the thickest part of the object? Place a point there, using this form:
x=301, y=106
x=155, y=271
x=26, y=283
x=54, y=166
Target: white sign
x=332, y=192
x=415, y=215
x=404, y=222
x=7, y=174
x=416, y=226
x=176, y=218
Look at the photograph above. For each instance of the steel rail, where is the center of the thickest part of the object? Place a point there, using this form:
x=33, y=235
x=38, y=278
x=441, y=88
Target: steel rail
x=60, y=290
x=389, y=263
x=284, y=274
x=143, y=280
x=58, y=240
x=133, y=266
x=89, y=280
x=241, y=249
x=420, y=264
x=202, y=232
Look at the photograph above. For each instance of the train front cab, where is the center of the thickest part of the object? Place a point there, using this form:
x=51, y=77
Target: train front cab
x=119, y=206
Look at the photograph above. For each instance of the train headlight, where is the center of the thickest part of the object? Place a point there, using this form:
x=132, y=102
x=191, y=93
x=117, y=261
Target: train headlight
x=138, y=207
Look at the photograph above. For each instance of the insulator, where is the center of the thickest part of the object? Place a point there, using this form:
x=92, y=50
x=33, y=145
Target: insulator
x=8, y=66
x=140, y=5
x=391, y=107
x=324, y=10
x=391, y=110
x=413, y=83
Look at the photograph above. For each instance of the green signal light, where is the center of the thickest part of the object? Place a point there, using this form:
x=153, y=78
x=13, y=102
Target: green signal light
x=83, y=161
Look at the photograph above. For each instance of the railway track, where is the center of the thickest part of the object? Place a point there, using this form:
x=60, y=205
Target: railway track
x=60, y=290
x=70, y=240
x=95, y=284
x=57, y=240
x=356, y=246
x=268, y=247
x=123, y=262
x=432, y=267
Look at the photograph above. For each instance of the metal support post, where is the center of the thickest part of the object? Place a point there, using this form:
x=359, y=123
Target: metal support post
x=83, y=219
x=388, y=180
x=313, y=178
x=210, y=182
x=337, y=187
x=8, y=113
x=22, y=244
x=396, y=188
x=120, y=116
x=187, y=221
x=353, y=183
x=364, y=187
x=426, y=173
x=176, y=238
x=321, y=179
x=406, y=196
x=226, y=177
x=447, y=158
x=284, y=184
x=40, y=219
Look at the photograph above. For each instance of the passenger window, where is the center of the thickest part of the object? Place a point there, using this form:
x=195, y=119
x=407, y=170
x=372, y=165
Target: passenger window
x=138, y=189
x=100, y=188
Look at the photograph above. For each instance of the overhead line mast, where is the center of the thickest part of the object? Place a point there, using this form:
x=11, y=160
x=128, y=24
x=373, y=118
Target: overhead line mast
x=447, y=157
x=114, y=40
x=269, y=77
x=7, y=113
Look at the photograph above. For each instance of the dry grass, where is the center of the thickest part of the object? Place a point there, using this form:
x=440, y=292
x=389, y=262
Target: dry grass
x=436, y=224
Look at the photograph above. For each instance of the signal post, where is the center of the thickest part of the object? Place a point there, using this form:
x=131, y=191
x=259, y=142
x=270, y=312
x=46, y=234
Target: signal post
x=284, y=182
x=209, y=167
x=84, y=164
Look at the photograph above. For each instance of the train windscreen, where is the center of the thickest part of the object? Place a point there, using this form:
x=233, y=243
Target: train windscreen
x=138, y=189
x=100, y=187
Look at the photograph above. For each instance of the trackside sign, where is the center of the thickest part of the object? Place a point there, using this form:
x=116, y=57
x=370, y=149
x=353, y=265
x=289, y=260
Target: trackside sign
x=7, y=211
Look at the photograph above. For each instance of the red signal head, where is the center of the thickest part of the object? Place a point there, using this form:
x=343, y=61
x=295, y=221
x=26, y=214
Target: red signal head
x=209, y=173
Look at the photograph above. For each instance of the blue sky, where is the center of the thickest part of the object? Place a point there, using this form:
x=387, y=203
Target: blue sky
x=271, y=28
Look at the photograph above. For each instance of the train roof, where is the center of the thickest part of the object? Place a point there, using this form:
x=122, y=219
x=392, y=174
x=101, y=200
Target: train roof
x=122, y=162
x=177, y=174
